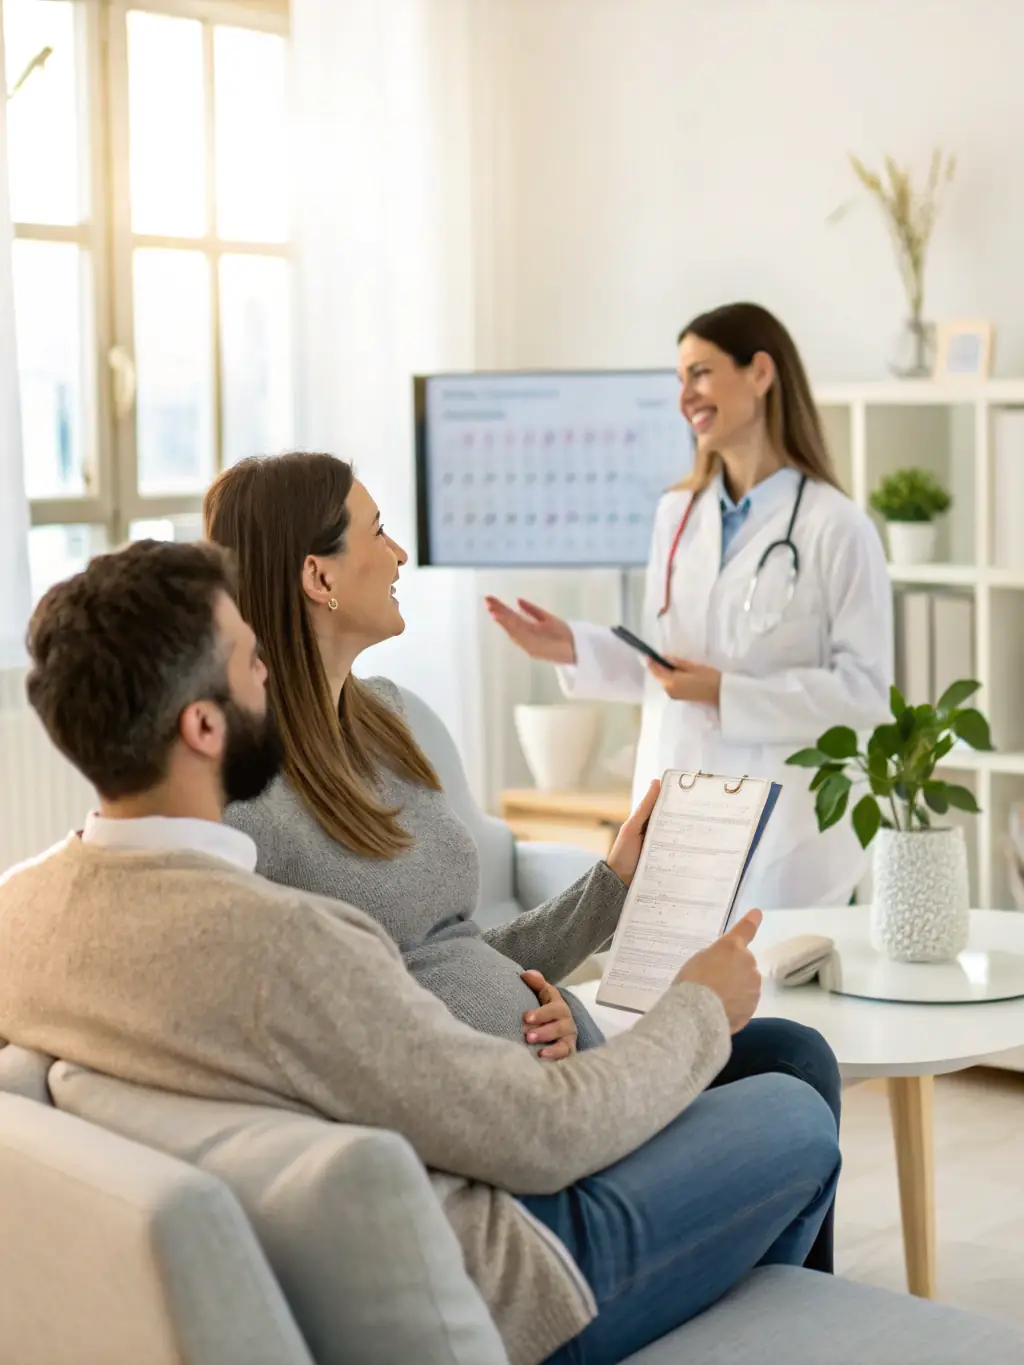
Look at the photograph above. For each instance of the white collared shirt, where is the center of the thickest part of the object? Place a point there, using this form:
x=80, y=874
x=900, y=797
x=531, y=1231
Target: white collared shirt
x=162, y=832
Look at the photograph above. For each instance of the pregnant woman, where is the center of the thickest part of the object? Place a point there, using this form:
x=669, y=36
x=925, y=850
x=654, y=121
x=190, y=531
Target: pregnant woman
x=359, y=814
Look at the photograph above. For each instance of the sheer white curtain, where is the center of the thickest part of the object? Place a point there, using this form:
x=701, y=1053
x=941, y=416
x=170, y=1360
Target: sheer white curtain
x=14, y=580
x=388, y=263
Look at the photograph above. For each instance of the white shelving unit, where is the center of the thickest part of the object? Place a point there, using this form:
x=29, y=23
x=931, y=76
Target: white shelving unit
x=947, y=427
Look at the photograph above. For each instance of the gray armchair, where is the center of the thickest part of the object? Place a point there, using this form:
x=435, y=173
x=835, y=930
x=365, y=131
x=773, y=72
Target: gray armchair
x=514, y=876
x=114, y=1254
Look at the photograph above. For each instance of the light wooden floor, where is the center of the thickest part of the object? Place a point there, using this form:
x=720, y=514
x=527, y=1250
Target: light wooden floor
x=979, y=1163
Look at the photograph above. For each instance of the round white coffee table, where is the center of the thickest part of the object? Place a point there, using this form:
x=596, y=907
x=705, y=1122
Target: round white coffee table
x=907, y=1044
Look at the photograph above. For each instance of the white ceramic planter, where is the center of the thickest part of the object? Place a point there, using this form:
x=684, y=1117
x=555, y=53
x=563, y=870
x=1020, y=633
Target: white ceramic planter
x=920, y=907
x=911, y=542
x=557, y=742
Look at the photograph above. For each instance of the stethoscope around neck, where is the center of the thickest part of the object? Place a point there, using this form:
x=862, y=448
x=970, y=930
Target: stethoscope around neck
x=758, y=623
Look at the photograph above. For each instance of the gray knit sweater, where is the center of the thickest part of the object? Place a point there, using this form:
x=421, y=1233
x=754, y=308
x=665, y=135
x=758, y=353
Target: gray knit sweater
x=426, y=897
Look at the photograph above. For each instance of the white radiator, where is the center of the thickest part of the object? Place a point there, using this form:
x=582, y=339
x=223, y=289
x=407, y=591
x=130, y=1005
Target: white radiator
x=42, y=797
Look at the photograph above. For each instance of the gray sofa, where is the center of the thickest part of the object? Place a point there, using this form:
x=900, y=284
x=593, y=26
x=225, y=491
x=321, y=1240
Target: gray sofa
x=139, y=1228
x=144, y=1228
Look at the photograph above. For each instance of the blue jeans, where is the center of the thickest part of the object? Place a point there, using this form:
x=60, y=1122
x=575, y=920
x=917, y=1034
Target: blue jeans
x=744, y=1177
x=777, y=1045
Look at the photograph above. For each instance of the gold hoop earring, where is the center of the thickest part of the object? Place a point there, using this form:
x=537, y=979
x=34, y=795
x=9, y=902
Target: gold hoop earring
x=332, y=605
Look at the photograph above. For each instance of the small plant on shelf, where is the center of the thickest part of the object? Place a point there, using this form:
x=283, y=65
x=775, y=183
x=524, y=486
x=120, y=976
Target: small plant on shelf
x=910, y=495
x=920, y=885
x=909, y=501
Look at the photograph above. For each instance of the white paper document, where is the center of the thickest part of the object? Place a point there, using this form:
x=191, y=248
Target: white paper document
x=699, y=843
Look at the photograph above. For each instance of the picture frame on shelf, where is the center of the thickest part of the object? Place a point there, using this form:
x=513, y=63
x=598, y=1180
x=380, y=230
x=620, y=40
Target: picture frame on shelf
x=964, y=349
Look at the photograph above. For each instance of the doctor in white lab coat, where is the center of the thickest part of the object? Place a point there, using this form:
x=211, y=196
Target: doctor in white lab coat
x=752, y=683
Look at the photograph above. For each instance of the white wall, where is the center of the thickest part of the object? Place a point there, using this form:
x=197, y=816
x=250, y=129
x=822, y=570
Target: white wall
x=667, y=155
x=385, y=230
x=652, y=158
x=564, y=182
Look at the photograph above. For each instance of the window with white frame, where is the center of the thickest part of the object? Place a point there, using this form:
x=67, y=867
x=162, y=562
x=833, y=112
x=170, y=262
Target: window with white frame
x=147, y=147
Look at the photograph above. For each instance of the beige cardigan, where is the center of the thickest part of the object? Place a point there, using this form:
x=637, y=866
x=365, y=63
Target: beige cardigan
x=177, y=970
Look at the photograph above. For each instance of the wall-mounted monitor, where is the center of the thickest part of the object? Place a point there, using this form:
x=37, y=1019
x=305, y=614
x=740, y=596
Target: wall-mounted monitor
x=545, y=469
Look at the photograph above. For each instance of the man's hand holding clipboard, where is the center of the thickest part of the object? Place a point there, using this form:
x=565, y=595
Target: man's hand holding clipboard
x=730, y=969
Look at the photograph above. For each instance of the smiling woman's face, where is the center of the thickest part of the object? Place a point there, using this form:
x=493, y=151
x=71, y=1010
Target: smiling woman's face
x=722, y=401
x=363, y=577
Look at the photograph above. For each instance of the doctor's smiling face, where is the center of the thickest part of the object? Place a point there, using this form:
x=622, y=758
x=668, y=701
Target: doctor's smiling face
x=723, y=402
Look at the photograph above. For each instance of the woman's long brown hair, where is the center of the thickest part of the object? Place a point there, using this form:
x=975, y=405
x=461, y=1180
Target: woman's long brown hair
x=272, y=512
x=743, y=330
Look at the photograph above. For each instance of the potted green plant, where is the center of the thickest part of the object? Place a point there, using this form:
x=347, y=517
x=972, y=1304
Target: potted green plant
x=909, y=500
x=919, y=912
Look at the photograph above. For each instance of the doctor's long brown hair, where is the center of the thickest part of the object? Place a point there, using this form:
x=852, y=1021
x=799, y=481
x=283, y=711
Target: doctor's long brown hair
x=272, y=512
x=742, y=330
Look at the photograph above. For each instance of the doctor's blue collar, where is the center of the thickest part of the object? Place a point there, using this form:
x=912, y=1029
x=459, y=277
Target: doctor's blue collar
x=774, y=488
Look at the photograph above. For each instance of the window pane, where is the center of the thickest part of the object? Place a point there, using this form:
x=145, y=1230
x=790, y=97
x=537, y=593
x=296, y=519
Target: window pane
x=173, y=358
x=51, y=309
x=57, y=552
x=187, y=526
x=251, y=123
x=43, y=118
x=256, y=355
x=166, y=123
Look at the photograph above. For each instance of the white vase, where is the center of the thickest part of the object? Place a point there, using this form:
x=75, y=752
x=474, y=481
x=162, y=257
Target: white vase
x=920, y=908
x=557, y=742
x=911, y=542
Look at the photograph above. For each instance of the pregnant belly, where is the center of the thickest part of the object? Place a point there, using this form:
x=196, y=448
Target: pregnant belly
x=478, y=984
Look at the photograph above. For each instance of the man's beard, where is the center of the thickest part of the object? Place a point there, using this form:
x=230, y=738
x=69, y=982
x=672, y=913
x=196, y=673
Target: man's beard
x=253, y=754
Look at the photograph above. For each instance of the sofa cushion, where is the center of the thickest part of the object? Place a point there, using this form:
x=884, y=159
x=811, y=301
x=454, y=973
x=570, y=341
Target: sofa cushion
x=116, y=1255
x=23, y=1072
x=781, y=1316
x=346, y=1216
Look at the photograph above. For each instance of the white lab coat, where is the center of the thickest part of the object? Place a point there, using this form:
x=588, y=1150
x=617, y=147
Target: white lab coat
x=828, y=662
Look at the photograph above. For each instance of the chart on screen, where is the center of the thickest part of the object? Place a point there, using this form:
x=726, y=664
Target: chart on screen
x=545, y=469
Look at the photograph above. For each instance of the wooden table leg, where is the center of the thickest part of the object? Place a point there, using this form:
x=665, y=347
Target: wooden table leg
x=911, y=1108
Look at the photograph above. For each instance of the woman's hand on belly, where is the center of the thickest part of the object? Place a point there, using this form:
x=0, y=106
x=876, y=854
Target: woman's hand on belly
x=552, y=1023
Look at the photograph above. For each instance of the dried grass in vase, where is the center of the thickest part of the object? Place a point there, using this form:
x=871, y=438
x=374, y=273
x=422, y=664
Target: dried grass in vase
x=910, y=215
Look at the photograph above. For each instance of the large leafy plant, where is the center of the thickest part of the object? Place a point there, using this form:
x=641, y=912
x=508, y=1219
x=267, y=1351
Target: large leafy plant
x=898, y=765
x=910, y=495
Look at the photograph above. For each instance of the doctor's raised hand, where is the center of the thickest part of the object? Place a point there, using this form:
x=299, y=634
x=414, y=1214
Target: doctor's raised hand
x=534, y=630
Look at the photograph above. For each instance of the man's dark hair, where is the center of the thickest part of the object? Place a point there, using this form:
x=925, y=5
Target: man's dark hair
x=120, y=650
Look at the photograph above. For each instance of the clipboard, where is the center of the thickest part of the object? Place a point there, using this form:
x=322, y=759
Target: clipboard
x=700, y=842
